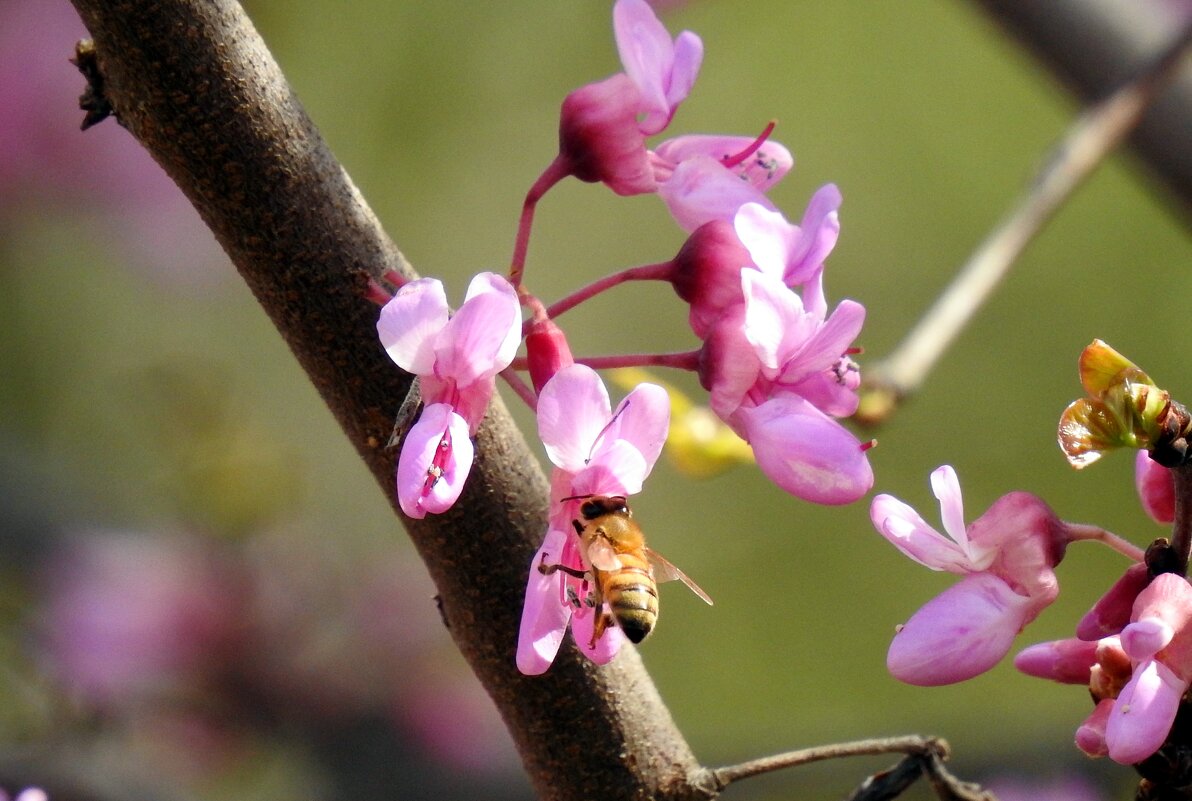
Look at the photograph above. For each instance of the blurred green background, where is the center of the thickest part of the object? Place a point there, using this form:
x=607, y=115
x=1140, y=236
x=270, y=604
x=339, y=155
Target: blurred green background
x=144, y=391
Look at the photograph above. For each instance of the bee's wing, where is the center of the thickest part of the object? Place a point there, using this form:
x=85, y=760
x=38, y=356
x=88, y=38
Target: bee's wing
x=602, y=556
x=406, y=414
x=665, y=571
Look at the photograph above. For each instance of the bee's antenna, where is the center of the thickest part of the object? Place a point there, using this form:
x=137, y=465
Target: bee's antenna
x=603, y=431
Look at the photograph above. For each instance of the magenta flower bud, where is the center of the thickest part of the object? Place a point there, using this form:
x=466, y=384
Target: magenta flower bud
x=599, y=138
x=1090, y=736
x=547, y=352
x=1066, y=661
x=707, y=273
x=1112, y=612
x=1156, y=488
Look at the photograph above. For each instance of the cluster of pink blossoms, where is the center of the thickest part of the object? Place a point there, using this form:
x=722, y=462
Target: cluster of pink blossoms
x=775, y=358
x=1133, y=650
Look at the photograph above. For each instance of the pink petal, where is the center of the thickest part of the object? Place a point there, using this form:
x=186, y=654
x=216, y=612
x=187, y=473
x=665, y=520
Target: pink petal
x=582, y=625
x=688, y=56
x=909, y=533
x=701, y=189
x=807, y=453
x=482, y=337
x=573, y=409
x=729, y=366
x=959, y=634
x=817, y=236
x=775, y=322
x=946, y=487
x=1143, y=713
x=766, y=234
x=1067, y=661
x=826, y=346
x=418, y=492
x=410, y=322
x=544, y=615
x=618, y=468
x=763, y=169
x=1156, y=488
x=1145, y=638
x=642, y=419
x=647, y=53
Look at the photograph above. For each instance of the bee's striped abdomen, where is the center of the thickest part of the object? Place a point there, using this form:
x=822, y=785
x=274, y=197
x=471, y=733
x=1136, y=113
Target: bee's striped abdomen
x=632, y=596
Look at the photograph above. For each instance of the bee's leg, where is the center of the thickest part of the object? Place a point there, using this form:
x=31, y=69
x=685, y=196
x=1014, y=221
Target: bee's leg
x=546, y=569
x=579, y=529
x=602, y=622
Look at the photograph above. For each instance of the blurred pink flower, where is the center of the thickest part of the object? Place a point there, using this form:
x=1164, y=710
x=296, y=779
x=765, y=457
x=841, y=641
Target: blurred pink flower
x=1156, y=488
x=129, y=615
x=457, y=358
x=596, y=451
x=1006, y=557
x=102, y=173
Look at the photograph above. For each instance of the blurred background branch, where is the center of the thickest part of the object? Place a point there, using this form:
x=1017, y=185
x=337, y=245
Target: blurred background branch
x=1093, y=47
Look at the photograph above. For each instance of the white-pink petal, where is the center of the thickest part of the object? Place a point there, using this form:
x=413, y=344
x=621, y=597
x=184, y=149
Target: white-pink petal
x=1144, y=712
x=702, y=189
x=544, y=613
x=617, y=468
x=909, y=533
x=959, y=634
x=642, y=419
x=411, y=321
x=573, y=409
x=582, y=625
x=418, y=491
x=946, y=487
x=775, y=322
x=481, y=339
x=766, y=234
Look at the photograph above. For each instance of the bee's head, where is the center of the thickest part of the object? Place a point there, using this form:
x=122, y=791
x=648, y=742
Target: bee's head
x=598, y=505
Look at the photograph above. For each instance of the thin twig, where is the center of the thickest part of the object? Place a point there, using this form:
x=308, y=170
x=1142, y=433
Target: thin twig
x=1095, y=134
x=913, y=744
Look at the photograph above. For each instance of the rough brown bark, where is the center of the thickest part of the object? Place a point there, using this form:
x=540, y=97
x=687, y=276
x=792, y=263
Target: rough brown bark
x=195, y=84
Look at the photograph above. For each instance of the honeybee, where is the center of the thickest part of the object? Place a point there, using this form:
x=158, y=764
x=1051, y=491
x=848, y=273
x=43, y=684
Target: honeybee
x=624, y=569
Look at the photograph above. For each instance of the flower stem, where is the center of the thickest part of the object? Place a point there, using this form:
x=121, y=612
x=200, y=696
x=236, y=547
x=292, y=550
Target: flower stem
x=1082, y=531
x=555, y=172
x=687, y=360
x=646, y=272
x=520, y=387
x=911, y=744
x=1181, y=529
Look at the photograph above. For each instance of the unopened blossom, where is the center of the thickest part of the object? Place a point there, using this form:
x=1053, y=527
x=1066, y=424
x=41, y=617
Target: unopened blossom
x=1156, y=488
x=778, y=373
x=1112, y=611
x=603, y=126
x=1159, y=644
x=1006, y=557
x=456, y=358
x=596, y=451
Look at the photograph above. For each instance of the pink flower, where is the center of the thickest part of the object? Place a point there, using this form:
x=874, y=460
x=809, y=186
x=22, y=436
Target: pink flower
x=663, y=71
x=700, y=189
x=1159, y=644
x=596, y=451
x=603, y=126
x=456, y=358
x=794, y=253
x=777, y=373
x=1006, y=557
x=1156, y=488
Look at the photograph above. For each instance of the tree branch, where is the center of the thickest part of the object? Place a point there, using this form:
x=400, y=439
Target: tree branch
x=195, y=84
